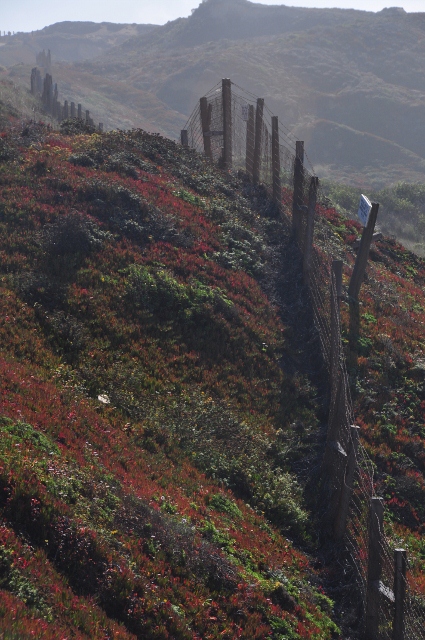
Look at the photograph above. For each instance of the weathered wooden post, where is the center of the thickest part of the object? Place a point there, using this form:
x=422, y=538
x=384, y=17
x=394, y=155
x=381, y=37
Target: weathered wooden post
x=73, y=113
x=363, y=254
x=250, y=140
x=374, y=573
x=400, y=565
x=256, y=169
x=65, y=110
x=87, y=116
x=336, y=292
x=184, y=137
x=34, y=81
x=80, y=112
x=348, y=484
x=206, y=113
x=277, y=186
x=48, y=92
x=309, y=231
x=298, y=187
x=101, y=127
x=227, y=123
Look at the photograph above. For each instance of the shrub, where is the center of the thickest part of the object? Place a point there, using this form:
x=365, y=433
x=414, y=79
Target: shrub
x=71, y=234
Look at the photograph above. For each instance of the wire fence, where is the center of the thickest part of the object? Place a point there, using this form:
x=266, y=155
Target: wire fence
x=258, y=144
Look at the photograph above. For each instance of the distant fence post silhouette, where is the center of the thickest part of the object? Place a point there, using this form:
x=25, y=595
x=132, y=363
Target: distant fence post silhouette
x=227, y=123
x=49, y=97
x=206, y=112
x=256, y=169
x=250, y=140
x=298, y=187
x=277, y=184
x=184, y=137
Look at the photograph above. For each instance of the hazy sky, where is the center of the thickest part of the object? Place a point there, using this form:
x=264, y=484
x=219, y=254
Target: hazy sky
x=28, y=15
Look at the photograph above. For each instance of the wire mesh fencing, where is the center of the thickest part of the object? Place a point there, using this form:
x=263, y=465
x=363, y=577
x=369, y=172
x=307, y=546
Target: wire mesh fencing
x=237, y=131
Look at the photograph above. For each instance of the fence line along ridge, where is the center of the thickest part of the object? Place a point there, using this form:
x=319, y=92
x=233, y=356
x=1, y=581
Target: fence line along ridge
x=236, y=131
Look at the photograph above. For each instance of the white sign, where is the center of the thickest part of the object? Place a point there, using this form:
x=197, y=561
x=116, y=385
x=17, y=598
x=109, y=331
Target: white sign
x=364, y=209
x=245, y=112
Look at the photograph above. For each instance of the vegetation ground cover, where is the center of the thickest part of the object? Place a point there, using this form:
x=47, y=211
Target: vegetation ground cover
x=146, y=487
x=155, y=413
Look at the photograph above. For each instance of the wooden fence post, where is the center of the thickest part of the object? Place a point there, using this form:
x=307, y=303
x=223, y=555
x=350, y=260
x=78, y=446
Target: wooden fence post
x=374, y=573
x=277, y=186
x=80, y=112
x=363, y=254
x=227, y=123
x=65, y=110
x=73, y=110
x=250, y=140
x=184, y=137
x=348, y=485
x=298, y=187
x=336, y=286
x=206, y=113
x=256, y=169
x=309, y=231
x=400, y=564
x=87, y=116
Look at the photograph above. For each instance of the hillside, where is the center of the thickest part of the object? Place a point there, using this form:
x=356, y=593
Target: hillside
x=353, y=78
x=163, y=404
x=147, y=457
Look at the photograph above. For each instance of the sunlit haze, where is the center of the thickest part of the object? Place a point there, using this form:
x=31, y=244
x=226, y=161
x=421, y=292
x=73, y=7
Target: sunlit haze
x=27, y=15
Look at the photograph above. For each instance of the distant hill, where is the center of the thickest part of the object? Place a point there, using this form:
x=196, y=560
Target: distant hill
x=68, y=41
x=339, y=79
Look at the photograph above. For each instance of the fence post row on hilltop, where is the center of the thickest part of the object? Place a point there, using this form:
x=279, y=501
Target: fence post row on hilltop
x=235, y=129
x=47, y=92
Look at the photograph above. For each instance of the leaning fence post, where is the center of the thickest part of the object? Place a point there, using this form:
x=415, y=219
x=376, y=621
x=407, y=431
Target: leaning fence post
x=184, y=137
x=256, y=170
x=227, y=123
x=277, y=186
x=205, y=123
x=309, y=231
x=400, y=564
x=79, y=112
x=250, y=140
x=298, y=186
x=348, y=485
x=374, y=573
x=363, y=254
